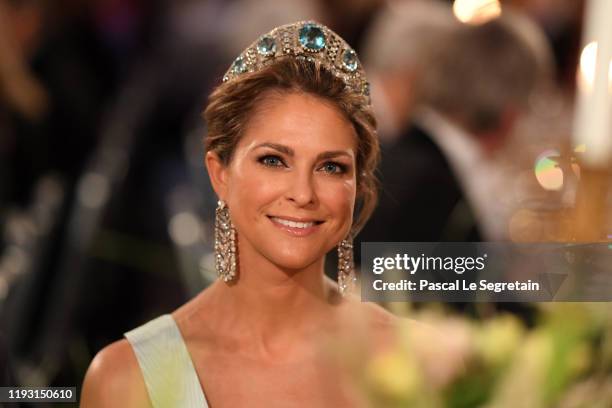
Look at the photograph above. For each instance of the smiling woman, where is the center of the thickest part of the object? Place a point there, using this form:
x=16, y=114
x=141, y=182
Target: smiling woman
x=291, y=151
x=290, y=184
x=241, y=103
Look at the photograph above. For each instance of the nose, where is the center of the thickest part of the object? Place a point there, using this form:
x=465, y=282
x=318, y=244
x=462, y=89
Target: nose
x=301, y=190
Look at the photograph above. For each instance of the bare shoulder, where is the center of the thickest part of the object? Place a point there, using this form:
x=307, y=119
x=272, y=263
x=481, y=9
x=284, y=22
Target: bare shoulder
x=114, y=379
x=380, y=317
x=387, y=328
x=374, y=322
x=375, y=316
x=383, y=319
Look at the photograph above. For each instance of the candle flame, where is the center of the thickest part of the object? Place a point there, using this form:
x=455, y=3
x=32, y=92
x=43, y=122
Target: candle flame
x=586, y=73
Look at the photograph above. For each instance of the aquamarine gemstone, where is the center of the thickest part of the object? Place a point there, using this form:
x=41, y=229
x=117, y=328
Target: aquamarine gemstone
x=239, y=66
x=312, y=37
x=349, y=60
x=266, y=46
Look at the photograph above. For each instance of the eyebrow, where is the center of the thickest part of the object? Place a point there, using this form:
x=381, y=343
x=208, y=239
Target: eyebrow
x=289, y=151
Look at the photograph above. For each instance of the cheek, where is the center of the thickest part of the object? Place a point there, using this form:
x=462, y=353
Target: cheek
x=250, y=190
x=340, y=198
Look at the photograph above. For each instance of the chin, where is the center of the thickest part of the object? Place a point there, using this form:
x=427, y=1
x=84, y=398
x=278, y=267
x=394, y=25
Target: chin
x=295, y=258
x=295, y=262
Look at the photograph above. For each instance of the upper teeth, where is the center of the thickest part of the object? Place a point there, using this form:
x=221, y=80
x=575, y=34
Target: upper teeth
x=293, y=224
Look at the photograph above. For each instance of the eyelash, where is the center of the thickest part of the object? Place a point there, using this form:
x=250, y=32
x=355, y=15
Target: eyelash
x=264, y=160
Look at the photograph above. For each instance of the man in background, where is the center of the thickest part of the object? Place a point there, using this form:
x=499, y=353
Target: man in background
x=440, y=178
x=396, y=53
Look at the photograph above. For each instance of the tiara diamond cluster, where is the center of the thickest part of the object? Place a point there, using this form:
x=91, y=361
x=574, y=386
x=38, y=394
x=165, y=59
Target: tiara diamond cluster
x=304, y=40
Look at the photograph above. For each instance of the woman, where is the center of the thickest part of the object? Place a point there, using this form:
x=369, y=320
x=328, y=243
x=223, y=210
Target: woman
x=291, y=149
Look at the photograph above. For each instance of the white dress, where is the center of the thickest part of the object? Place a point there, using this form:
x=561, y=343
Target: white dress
x=166, y=365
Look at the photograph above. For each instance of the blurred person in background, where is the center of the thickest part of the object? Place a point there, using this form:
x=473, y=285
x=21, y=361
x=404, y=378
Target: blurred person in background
x=48, y=109
x=58, y=71
x=396, y=52
x=60, y=63
x=441, y=179
x=24, y=101
x=57, y=74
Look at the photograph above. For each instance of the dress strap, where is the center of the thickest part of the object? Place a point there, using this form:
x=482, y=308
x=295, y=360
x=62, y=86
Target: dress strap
x=166, y=365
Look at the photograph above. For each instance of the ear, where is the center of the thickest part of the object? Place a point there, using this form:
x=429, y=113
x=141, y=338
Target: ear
x=217, y=171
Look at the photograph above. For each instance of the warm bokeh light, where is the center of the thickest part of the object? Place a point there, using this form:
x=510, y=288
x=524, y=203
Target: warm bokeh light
x=476, y=11
x=184, y=228
x=581, y=148
x=93, y=190
x=547, y=170
x=586, y=73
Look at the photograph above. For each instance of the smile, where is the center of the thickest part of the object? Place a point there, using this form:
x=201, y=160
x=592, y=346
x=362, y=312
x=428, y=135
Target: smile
x=294, y=227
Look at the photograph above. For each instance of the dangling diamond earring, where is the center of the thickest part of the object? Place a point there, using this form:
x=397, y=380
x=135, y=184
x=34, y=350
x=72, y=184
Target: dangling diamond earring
x=225, y=243
x=346, y=267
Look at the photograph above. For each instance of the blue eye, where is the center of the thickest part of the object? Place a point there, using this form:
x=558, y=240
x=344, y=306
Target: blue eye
x=333, y=168
x=271, y=161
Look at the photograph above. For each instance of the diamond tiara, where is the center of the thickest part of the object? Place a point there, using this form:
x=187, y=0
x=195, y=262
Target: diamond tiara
x=307, y=40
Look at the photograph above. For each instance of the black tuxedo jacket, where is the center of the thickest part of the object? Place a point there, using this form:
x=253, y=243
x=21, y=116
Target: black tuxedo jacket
x=421, y=199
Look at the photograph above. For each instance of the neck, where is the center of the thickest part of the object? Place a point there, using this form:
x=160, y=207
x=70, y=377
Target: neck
x=270, y=306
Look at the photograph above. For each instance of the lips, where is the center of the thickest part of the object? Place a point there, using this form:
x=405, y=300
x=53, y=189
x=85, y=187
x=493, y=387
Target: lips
x=294, y=226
